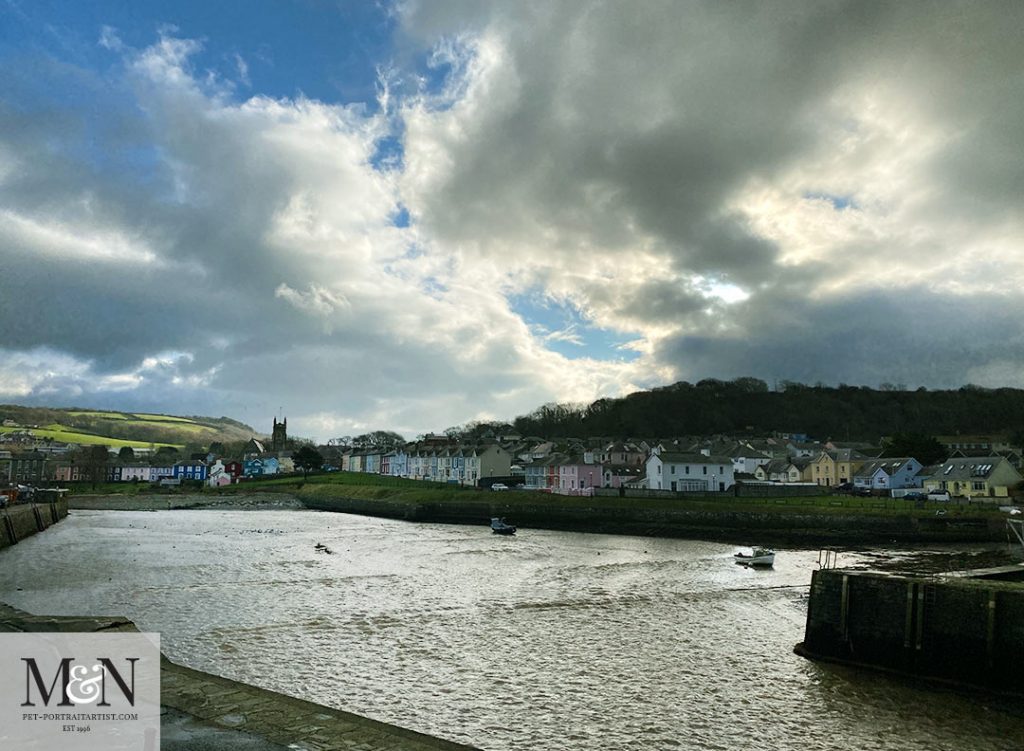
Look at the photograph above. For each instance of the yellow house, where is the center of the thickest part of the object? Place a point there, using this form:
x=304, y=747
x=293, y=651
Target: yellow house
x=836, y=466
x=975, y=476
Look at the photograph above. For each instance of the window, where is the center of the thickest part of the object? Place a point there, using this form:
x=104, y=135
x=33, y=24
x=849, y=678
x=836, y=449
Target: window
x=673, y=469
x=705, y=468
x=978, y=485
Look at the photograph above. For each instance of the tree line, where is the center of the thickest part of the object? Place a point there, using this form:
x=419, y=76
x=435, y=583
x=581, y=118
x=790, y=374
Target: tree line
x=749, y=406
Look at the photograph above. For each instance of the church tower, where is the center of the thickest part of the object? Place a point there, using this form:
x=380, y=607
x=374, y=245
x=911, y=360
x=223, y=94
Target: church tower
x=279, y=438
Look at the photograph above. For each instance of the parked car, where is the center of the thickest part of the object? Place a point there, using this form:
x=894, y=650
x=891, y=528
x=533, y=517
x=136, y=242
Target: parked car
x=499, y=486
x=914, y=496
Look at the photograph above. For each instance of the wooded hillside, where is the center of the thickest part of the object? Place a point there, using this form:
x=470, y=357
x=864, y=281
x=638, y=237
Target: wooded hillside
x=747, y=405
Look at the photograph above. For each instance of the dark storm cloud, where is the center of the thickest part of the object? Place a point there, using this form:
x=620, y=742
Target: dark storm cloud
x=634, y=132
x=916, y=338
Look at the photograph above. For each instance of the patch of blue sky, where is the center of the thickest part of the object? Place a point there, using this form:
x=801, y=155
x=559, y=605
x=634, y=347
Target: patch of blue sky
x=434, y=287
x=401, y=218
x=839, y=202
x=389, y=154
x=564, y=329
x=327, y=51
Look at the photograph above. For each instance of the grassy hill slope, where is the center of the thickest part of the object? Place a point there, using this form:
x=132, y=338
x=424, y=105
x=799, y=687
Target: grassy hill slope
x=118, y=429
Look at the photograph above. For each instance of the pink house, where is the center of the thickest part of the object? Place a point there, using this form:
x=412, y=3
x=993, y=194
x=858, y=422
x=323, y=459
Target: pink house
x=574, y=474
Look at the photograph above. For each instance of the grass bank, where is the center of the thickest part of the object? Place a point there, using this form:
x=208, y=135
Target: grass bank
x=813, y=520
x=805, y=521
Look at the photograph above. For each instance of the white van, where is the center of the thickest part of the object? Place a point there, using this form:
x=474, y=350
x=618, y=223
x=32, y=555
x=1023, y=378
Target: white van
x=938, y=495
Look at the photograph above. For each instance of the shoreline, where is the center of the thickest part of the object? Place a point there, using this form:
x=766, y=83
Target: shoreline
x=182, y=501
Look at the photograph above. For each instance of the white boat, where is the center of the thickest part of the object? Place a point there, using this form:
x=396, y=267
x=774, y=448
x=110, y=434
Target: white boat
x=757, y=557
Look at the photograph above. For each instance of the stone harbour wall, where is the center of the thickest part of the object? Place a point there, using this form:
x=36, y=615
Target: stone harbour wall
x=965, y=631
x=23, y=520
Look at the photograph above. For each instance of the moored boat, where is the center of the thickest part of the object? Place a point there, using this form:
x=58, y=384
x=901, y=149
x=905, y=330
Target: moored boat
x=500, y=527
x=757, y=557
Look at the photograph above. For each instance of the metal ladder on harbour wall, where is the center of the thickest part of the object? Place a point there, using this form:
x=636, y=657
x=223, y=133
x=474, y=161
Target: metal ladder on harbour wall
x=1016, y=527
x=828, y=558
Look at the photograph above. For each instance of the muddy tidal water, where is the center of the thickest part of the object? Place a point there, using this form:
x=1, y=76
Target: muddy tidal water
x=548, y=640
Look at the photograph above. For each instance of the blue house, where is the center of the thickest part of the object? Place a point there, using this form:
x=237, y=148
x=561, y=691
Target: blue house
x=193, y=469
x=253, y=467
x=891, y=473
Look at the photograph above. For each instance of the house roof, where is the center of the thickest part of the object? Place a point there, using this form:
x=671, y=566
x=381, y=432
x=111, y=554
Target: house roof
x=678, y=457
x=844, y=455
x=890, y=465
x=969, y=467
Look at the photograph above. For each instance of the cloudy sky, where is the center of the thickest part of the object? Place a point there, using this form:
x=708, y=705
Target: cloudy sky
x=409, y=215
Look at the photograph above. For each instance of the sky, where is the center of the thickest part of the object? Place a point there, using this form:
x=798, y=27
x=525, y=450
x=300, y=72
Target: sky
x=412, y=215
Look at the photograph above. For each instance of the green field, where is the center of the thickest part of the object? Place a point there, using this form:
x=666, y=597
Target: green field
x=184, y=424
x=163, y=418
x=69, y=435
x=117, y=429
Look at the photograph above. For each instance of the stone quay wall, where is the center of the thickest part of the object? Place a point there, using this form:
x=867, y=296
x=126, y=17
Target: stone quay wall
x=25, y=519
x=961, y=630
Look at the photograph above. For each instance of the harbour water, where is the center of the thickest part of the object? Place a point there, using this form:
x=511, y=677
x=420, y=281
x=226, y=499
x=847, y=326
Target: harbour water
x=547, y=640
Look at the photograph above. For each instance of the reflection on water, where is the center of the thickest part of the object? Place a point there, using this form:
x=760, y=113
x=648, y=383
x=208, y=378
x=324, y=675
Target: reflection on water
x=548, y=640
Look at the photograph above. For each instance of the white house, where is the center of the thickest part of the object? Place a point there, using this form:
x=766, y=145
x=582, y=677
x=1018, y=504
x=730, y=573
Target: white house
x=669, y=470
x=747, y=459
x=218, y=475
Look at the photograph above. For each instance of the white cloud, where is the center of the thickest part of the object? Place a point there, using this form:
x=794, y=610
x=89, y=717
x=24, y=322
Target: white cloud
x=733, y=190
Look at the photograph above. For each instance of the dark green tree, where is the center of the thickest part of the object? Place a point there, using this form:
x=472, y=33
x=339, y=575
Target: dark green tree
x=308, y=458
x=923, y=448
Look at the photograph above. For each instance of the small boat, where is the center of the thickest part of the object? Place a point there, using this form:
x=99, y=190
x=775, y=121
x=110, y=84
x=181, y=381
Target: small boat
x=757, y=557
x=500, y=527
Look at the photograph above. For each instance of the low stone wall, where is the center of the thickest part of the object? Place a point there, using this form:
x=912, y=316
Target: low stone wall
x=25, y=519
x=964, y=630
x=677, y=521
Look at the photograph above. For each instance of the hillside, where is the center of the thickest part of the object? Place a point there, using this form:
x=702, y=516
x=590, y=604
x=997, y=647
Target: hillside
x=118, y=429
x=746, y=405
